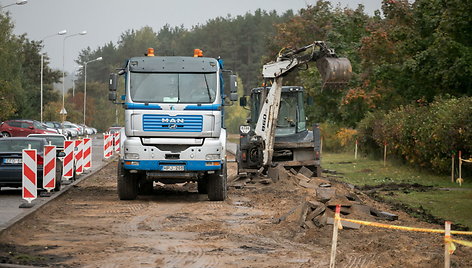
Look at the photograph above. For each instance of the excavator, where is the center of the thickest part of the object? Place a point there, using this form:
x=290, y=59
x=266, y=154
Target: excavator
x=277, y=132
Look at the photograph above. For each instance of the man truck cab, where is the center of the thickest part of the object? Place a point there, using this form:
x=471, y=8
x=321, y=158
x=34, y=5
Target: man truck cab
x=174, y=123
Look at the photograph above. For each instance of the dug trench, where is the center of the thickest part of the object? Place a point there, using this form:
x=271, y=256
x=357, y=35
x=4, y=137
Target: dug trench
x=177, y=227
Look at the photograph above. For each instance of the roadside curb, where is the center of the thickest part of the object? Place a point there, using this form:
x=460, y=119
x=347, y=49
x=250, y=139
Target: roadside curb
x=40, y=204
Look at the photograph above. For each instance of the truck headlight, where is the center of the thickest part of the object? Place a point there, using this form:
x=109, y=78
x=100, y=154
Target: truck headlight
x=131, y=156
x=212, y=157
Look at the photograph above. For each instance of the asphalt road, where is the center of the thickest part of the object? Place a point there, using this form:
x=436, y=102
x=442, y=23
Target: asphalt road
x=10, y=198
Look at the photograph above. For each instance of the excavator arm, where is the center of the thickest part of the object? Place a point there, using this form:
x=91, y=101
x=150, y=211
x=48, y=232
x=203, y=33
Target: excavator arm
x=333, y=71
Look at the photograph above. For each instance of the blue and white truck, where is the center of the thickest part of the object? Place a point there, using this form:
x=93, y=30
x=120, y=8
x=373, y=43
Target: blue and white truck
x=174, y=123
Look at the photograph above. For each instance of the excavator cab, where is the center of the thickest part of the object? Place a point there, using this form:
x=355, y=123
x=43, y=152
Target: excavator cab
x=291, y=119
x=295, y=146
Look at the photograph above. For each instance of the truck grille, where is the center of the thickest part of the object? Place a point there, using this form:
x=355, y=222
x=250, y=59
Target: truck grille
x=166, y=123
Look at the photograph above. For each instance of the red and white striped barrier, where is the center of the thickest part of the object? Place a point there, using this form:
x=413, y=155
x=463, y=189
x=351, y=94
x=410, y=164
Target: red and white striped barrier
x=110, y=145
x=87, y=153
x=49, y=168
x=68, y=163
x=107, y=145
x=29, y=175
x=79, y=166
x=116, y=139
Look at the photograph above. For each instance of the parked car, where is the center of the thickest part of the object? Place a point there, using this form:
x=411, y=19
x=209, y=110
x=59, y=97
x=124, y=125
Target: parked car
x=54, y=139
x=87, y=130
x=22, y=128
x=70, y=132
x=55, y=125
x=70, y=125
x=11, y=161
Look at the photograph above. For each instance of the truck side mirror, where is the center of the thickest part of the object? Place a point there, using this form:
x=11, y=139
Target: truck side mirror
x=233, y=81
x=112, y=86
x=243, y=101
x=112, y=95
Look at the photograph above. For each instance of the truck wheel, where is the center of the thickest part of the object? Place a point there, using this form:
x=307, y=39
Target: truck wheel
x=127, y=184
x=217, y=185
x=202, y=185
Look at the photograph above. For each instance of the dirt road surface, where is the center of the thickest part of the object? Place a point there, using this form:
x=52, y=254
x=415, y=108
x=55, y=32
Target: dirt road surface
x=177, y=227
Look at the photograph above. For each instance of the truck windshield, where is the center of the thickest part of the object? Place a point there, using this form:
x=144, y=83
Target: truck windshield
x=173, y=87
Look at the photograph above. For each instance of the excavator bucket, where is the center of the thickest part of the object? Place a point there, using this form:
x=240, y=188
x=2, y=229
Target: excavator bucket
x=334, y=71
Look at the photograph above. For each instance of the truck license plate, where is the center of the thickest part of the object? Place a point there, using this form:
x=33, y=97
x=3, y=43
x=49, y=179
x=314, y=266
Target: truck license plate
x=173, y=168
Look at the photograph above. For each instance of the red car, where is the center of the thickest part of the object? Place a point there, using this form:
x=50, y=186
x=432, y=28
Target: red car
x=22, y=128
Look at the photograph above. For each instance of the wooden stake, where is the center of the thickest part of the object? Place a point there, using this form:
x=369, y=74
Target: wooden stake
x=385, y=154
x=460, y=169
x=355, y=151
x=334, y=242
x=447, y=235
x=452, y=169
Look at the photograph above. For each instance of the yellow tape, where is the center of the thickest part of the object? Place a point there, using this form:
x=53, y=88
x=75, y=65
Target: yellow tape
x=452, y=247
x=466, y=160
x=404, y=228
x=462, y=242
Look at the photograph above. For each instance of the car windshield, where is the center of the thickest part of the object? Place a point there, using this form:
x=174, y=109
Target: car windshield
x=57, y=141
x=173, y=87
x=19, y=145
x=38, y=125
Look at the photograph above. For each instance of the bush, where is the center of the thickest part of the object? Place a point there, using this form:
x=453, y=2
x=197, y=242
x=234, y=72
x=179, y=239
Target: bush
x=336, y=138
x=424, y=136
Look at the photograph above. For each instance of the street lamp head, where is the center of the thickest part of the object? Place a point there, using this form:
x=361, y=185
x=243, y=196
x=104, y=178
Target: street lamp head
x=21, y=2
x=63, y=32
x=99, y=58
x=83, y=33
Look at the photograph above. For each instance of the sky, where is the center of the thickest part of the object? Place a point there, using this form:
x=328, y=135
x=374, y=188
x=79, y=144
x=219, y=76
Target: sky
x=106, y=20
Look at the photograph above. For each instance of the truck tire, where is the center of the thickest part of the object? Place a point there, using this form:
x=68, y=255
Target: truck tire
x=127, y=184
x=202, y=185
x=217, y=185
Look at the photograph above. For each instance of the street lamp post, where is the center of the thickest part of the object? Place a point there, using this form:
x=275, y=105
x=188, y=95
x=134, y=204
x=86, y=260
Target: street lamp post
x=18, y=3
x=85, y=82
x=63, y=32
x=63, y=111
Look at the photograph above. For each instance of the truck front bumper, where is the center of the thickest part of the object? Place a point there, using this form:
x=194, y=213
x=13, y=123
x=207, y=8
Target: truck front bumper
x=173, y=165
